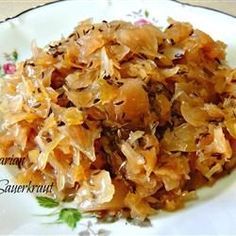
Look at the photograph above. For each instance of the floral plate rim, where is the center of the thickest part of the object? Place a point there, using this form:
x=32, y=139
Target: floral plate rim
x=8, y=19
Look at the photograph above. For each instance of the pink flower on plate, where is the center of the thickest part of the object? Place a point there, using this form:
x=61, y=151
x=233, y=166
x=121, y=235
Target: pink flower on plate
x=141, y=22
x=9, y=68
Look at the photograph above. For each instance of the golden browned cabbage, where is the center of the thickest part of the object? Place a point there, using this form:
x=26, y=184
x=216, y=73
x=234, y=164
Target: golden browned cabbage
x=122, y=117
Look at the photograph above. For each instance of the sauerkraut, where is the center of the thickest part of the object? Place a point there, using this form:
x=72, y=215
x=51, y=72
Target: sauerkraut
x=122, y=117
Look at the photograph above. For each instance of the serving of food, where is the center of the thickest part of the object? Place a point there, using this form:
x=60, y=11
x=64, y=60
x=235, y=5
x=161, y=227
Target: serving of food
x=123, y=118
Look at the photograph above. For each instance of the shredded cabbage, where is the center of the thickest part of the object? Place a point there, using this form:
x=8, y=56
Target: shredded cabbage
x=123, y=117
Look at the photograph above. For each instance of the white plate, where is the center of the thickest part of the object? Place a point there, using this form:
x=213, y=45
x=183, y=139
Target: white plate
x=214, y=211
